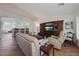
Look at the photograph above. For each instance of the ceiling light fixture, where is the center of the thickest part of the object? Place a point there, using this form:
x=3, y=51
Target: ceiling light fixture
x=60, y=4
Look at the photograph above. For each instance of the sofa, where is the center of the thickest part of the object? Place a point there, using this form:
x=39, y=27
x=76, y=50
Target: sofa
x=31, y=45
x=28, y=44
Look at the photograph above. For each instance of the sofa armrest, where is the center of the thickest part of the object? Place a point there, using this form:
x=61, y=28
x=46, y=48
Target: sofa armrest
x=61, y=40
x=56, y=37
x=43, y=42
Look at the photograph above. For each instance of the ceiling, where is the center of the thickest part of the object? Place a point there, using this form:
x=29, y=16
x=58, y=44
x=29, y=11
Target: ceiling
x=11, y=10
x=48, y=9
x=35, y=11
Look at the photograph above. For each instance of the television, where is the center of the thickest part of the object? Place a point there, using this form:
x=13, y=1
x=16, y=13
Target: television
x=49, y=28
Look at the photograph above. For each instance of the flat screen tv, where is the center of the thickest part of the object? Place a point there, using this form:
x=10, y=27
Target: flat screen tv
x=49, y=28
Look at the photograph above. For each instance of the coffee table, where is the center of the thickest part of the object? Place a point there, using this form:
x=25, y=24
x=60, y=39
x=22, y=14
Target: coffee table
x=47, y=50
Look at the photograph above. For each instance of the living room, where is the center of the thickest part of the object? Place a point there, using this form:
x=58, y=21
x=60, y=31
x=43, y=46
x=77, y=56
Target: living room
x=52, y=27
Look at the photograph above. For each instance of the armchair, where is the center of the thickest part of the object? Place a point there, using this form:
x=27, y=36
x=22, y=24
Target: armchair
x=57, y=41
x=69, y=37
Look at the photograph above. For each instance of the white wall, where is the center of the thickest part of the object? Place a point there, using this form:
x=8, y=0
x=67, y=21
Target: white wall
x=76, y=21
x=0, y=27
x=36, y=27
x=77, y=31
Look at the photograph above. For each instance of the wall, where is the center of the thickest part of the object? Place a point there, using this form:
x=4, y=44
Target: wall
x=76, y=21
x=0, y=27
x=77, y=31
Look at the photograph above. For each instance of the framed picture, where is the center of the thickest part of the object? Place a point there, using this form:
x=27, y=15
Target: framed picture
x=69, y=25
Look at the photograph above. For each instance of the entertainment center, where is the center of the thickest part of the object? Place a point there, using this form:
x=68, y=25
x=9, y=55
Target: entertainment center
x=51, y=28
